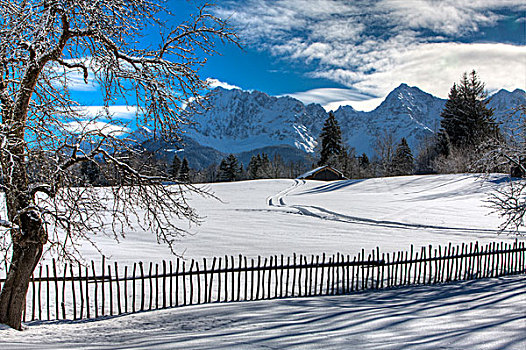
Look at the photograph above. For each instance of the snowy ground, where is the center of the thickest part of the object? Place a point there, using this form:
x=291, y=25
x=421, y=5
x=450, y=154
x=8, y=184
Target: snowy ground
x=271, y=217
x=484, y=314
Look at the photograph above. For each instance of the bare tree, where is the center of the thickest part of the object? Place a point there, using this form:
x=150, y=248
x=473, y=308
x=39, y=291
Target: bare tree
x=508, y=153
x=45, y=47
x=384, y=147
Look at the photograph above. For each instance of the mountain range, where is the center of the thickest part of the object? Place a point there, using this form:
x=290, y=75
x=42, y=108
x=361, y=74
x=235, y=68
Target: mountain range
x=250, y=122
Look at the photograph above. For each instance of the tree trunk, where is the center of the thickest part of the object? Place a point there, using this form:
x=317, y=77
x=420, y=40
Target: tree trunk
x=26, y=255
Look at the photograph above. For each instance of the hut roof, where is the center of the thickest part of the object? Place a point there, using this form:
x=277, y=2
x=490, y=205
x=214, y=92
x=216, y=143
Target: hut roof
x=313, y=172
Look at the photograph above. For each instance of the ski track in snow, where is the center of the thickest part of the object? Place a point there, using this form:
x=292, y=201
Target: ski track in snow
x=278, y=201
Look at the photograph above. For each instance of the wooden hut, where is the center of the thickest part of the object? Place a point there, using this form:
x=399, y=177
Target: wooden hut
x=323, y=173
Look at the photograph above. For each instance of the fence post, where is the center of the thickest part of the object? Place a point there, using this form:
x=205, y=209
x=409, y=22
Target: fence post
x=299, y=274
x=263, y=279
x=184, y=281
x=269, y=289
x=279, y=281
x=87, y=293
x=339, y=281
x=177, y=283
x=240, y=259
x=322, y=274
x=293, y=273
x=133, y=287
x=171, y=282
x=102, y=286
x=156, y=286
x=73, y=291
x=367, y=279
x=55, y=279
x=437, y=266
x=150, y=284
x=378, y=267
x=281, y=277
x=143, y=296
x=309, y=286
x=205, y=272
x=316, y=274
x=211, y=280
x=198, y=276
x=430, y=264
x=226, y=278
x=111, y=289
x=39, y=293
x=219, y=280
x=80, y=291
x=119, y=310
x=164, y=284
x=33, y=297
x=329, y=275
x=449, y=263
x=252, y=279
x=233, y=278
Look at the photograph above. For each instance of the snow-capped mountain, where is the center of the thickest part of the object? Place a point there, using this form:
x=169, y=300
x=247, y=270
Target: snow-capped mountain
x=406, y=112
x=242, y=121
x=503, y=103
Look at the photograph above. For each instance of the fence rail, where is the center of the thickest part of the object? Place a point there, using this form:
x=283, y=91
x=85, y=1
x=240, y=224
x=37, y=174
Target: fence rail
x=80, y=292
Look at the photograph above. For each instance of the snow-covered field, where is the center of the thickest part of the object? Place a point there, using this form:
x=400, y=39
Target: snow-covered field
x=269, y=217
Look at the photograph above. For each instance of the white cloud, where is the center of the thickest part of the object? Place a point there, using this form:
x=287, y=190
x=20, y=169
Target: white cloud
x=373, y=46
x=87, y=126
x=365, y=105
x=213, y=83
x=435, y=67
x=122, y=112
x=450, y=17
x=332, y=98
x=73, y=78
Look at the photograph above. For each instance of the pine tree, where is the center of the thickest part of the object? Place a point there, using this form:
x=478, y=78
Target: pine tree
x=175, y=166
x=466, y=119
x=184, y=171
x=403, y=161
x=331, y=142
x=229, y=169
x=364, y=161
x=254, y=166
x=264, y=169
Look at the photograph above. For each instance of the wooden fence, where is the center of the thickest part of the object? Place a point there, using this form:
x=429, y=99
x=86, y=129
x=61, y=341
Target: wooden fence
x=78, y=292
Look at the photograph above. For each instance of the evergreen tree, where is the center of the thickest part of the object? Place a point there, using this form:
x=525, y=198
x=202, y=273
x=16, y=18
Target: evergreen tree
x=265, y=168
x=184, y=171
x=466, y=119
x=254, y=166
x=175, y=166
x=331, y=142
x=403, y=161
x=364, y=161
x=229, y=169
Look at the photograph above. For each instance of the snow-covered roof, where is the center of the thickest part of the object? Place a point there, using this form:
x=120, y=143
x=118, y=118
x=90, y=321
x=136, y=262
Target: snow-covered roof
x=314, y=171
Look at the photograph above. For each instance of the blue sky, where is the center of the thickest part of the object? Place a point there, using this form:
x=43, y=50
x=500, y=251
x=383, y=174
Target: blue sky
x=339, y=52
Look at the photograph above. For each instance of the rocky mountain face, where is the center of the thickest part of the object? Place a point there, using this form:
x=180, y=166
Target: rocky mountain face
x=240, y=121
x=406, y=112
x=243, y=122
